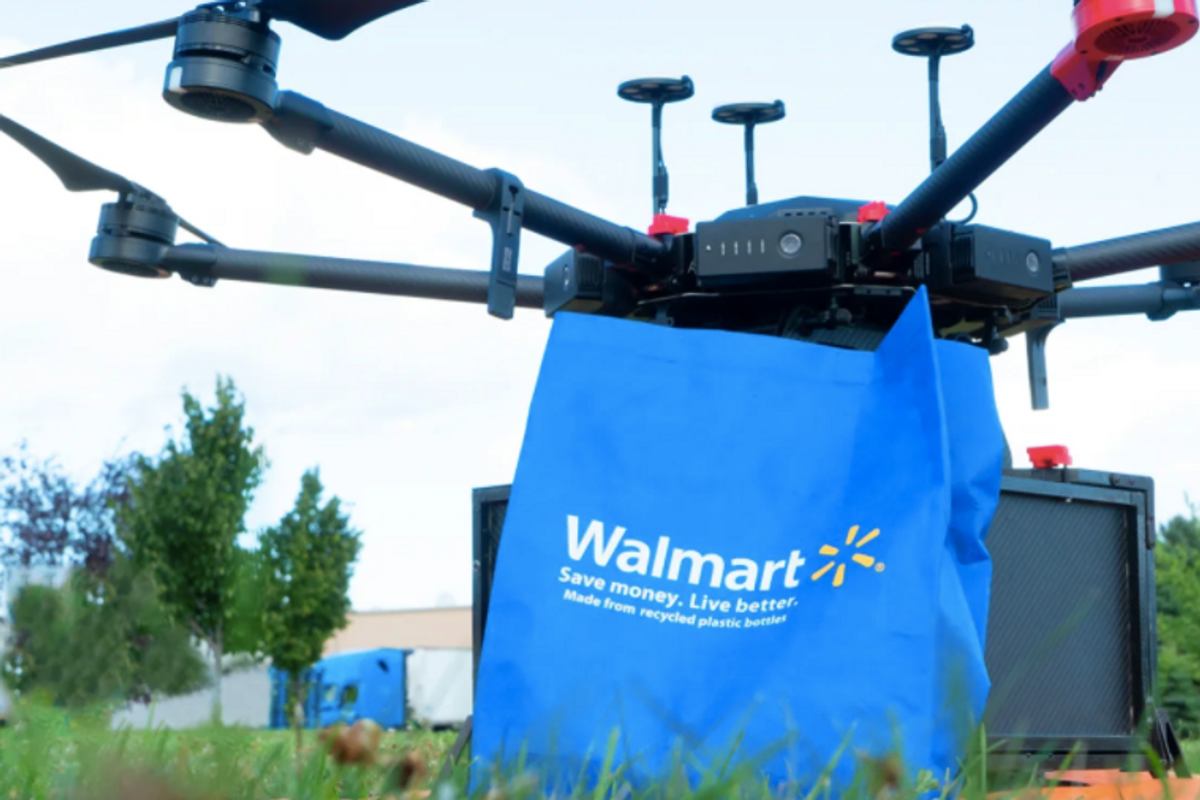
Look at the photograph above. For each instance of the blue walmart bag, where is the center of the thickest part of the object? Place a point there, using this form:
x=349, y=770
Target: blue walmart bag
x=713, y=535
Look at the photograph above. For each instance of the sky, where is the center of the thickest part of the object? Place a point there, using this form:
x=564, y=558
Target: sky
x=406, y=405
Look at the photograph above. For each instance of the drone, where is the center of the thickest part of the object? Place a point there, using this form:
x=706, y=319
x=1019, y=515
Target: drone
x=833, y=271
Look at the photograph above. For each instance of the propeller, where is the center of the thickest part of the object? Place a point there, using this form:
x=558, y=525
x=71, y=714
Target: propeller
x=146, y=33
x=139, y=213
x=77, y=174
x=332, y=19
x=328, y=19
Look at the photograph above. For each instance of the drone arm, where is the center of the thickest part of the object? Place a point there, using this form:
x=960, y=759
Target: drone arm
x=1037, y=105
x=1130, y=253
x=1156, y=300
x=205, y=262
x=304, y=124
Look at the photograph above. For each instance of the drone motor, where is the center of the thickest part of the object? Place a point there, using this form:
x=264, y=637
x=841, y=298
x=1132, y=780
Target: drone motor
x=224, y=67
x=1116, y=30
x=133, y=236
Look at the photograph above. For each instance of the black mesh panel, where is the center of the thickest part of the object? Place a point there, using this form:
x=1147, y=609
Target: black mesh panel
x=1058, y=646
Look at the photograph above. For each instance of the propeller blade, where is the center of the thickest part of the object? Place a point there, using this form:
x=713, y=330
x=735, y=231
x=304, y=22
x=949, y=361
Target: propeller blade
x=332, y=19
x=199, y=234
x=146, y=33
x=76, y=174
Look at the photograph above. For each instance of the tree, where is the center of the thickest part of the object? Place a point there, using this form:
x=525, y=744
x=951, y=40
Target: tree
x=1178, y=681
x=1177, y=579
x=306, y=562
x=99, y=639
x=48, y=519
x=186, y=512
x=101, y=636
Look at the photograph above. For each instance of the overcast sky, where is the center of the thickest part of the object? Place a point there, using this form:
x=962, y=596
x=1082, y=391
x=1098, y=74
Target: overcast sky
x=406, y=405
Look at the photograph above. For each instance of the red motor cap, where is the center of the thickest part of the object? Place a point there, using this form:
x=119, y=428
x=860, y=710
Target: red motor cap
x=873, y=212
x=666, y=224
x=1050, y=457
x=1082, y=75
x=1116, y=30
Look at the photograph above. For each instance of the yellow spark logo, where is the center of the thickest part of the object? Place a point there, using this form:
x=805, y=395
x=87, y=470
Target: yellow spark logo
x=862, y=559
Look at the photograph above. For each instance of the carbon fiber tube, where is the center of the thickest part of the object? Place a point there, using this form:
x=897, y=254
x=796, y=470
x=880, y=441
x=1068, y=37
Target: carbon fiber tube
x=370, y=277
x=1037, y=105
x=1130, y=253
x=1153, y=299
x=381, y=151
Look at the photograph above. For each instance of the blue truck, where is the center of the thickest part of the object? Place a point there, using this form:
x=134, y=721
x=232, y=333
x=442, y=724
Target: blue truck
x=368, y=684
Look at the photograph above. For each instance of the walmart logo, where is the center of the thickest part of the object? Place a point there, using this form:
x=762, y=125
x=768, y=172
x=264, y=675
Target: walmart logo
x=862, y=559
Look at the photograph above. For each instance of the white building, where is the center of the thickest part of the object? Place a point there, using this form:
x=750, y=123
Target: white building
x=245, y=701
x=438, y=673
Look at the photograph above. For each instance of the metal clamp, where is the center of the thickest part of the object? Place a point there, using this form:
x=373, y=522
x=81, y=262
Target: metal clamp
x=505, y=214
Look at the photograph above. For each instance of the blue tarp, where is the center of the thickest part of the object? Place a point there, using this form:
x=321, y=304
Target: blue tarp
x=713, y=534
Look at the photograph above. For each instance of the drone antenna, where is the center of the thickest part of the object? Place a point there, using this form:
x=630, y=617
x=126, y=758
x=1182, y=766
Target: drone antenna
x=658, y=92
x=933, y=43
x=750, y=115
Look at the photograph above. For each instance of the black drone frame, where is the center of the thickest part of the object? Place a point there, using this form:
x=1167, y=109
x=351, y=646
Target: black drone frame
x=224, y=70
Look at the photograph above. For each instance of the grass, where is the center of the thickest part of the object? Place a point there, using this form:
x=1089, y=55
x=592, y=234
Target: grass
x=47, y=754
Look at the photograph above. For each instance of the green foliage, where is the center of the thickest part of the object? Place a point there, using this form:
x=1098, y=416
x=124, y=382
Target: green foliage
x=99, y=640
x=186, y=512
x=1177, y=575
x=46, y=756
x=1178, y=679
x=306, y=563
x=244, y=632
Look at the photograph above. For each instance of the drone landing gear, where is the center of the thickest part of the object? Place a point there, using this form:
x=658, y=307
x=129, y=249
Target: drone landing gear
x=1039, y=376
x=505, y=215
